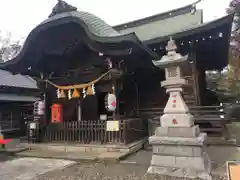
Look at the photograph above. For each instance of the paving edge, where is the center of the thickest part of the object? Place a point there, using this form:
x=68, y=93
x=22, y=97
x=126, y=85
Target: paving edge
x=14, y=151
x=58, y=157
x=131, y=150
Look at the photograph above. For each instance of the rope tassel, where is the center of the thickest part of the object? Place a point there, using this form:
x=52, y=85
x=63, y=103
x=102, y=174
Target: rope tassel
x=84, y=93
x=93, y=89
x=76, y=94
x=79, y=86
x=58, y=93
x=69, y=94
x=90, y=91
x=62, y=94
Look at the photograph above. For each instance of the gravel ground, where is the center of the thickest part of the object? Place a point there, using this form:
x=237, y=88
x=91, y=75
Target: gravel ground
x=103, y=171
x=4, y=157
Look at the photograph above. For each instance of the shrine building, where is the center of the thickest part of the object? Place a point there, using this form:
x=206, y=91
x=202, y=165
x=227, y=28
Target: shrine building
x=98, y=79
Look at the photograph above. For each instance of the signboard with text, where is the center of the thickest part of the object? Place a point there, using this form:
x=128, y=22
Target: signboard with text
x=112, y=126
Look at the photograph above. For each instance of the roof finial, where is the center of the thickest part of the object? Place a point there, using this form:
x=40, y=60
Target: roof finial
x=62, y=7
x=171, y=45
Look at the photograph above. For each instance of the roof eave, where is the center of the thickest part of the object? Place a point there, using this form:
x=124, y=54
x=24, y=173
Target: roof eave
x=132, y=38
x=204, y=27
x=169, y=14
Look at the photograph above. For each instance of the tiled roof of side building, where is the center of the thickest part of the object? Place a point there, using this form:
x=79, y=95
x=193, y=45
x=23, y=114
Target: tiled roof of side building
x=158, y=17
x=10, y=80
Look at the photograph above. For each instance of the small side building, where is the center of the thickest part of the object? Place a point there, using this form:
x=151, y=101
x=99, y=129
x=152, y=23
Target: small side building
x=17, y=96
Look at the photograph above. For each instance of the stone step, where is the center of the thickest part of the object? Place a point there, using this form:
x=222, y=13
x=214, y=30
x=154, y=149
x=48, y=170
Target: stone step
x=188, y=90
x=190, y=102
x=189, y=94
x=189, y=97
x=188, y=77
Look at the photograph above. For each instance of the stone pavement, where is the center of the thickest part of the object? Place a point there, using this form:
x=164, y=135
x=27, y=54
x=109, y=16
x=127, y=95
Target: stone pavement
x=45, y=169
x=103, y=171
x=218, y=154
x=132, y=168
x=135, y=167
x=29, y=168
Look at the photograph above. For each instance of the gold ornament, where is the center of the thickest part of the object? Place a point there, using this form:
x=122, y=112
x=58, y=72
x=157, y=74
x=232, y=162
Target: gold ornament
x=75, y=94
x=90, y=91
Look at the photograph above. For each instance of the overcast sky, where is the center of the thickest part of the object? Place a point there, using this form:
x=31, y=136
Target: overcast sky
x=20, y=16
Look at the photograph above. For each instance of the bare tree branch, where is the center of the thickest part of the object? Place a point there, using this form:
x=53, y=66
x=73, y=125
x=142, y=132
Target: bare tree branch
x=8, y=47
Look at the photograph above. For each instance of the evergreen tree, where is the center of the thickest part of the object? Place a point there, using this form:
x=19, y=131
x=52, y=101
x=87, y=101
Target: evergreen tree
x=230, y=82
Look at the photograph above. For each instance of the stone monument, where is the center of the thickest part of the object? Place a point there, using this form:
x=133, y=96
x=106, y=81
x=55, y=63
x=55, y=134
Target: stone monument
x=178, y=145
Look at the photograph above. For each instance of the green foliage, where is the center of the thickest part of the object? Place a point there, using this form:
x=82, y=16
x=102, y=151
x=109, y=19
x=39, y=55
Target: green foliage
x=229, y=83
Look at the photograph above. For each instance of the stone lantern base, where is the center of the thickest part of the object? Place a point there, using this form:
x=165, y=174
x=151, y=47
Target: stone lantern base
x=180, y=152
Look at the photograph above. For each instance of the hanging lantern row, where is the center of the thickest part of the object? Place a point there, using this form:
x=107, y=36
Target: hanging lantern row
x=76, y=93
x=220, y=35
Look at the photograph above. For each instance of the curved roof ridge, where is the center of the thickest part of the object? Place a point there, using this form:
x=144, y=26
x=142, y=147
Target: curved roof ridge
x=94, y=28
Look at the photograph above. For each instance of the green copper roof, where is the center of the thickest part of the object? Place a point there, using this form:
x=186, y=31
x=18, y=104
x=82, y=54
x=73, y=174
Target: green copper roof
x=97, y=26
x=164, y=27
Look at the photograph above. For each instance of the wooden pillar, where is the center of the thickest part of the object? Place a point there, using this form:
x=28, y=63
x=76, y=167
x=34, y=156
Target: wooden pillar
x=79, y=110
x=114, y=91
x=195, y=74
x=45, y=100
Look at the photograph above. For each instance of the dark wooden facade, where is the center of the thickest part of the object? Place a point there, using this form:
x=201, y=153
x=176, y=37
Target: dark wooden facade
x=16, y=109
x=75, y=47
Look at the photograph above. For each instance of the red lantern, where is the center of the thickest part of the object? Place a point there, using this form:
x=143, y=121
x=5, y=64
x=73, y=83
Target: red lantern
x=57, y=113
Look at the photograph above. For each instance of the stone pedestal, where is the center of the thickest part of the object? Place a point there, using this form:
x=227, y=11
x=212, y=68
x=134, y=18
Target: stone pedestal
x=178, y=145
x=180, y=152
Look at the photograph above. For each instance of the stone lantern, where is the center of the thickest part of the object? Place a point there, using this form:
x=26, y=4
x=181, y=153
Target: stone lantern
x=178, y=145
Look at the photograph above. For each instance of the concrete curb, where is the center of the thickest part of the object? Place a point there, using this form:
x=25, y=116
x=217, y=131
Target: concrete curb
x=13, y=151
x=76, y=153
x=59, y=157
x=108, y=157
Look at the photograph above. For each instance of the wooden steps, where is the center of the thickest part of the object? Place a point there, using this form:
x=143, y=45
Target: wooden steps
x=209, y=118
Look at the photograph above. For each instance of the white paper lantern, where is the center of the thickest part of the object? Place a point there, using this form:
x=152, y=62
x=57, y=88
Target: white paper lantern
x=39, y=107
x=110, y=102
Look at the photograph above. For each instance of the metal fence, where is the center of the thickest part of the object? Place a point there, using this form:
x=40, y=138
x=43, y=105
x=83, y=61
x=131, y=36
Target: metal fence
x=95, y=132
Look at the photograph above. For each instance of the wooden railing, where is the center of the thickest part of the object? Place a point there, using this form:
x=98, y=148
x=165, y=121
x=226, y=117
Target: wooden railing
x=211, y=119
x=94, y=132
x=9, y=122
x=9, y=126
